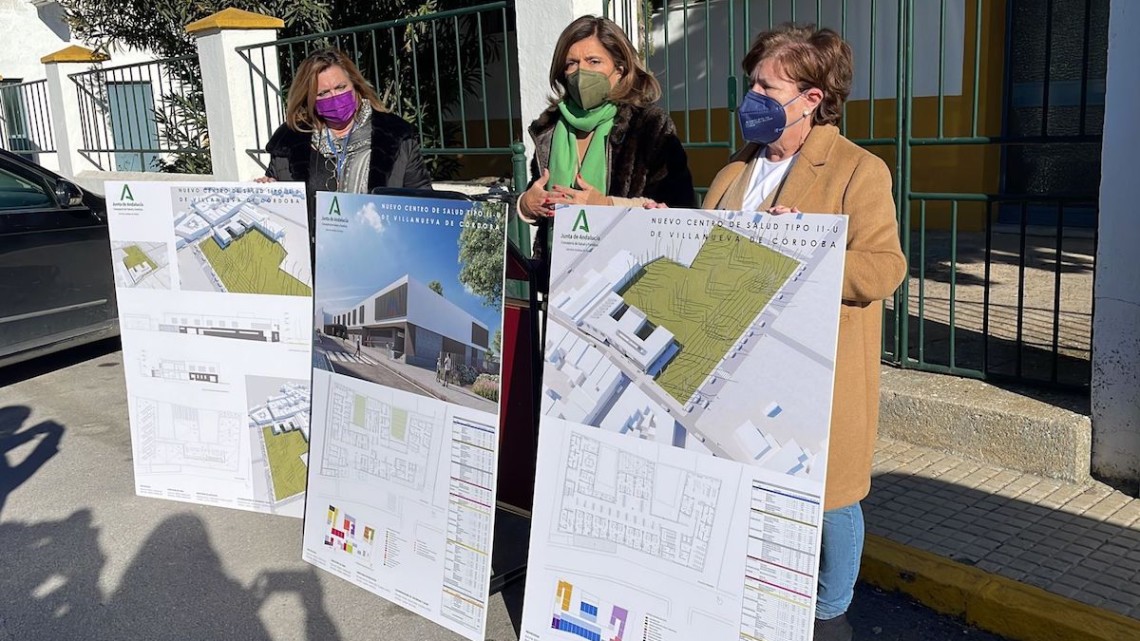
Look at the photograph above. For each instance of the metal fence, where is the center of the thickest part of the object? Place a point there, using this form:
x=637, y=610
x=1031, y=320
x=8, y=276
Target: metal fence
x=452, y=74
x=144, y=117
x=989, y=115
x=25, y=119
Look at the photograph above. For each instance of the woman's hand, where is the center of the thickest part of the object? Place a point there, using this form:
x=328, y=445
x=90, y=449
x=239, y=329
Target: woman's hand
x=587, y=195
x=536, y=202
x=653, y=204
x=781, y=209
x=264, y=179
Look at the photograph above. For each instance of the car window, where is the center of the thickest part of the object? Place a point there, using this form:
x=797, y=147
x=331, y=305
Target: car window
x=17, y=192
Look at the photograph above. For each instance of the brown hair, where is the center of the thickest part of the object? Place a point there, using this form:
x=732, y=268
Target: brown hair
x=300, y=108
x=811, y=58
x=637, y=86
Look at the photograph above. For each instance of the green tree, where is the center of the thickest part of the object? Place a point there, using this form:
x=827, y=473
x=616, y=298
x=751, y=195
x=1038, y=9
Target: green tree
x=420, y=70
x=497, y=343
x=436, y=287
x=161, y=28
x=481, y=251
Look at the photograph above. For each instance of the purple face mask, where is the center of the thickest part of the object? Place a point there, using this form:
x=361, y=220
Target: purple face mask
x=337, y=110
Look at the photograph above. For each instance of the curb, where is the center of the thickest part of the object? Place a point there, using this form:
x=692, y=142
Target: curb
x=993, y=603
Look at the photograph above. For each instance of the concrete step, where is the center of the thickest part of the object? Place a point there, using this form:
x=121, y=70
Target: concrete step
x=1026, y=430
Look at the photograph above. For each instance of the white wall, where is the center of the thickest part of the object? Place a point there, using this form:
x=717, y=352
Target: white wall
x=94, y=181
x=713, y=57
x=539, y=25
x=1116, y=322
x=31, y=33
x=431, y=311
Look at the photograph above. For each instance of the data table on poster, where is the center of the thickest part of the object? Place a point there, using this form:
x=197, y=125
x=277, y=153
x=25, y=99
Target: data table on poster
x=779, y=573
x=470, y=518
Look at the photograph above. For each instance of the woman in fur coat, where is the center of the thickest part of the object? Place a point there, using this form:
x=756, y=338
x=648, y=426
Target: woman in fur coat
x=603, y=140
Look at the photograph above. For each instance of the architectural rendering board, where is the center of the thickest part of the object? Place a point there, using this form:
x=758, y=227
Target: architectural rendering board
x=685, y=415
x=405, y=417
x=217, y=375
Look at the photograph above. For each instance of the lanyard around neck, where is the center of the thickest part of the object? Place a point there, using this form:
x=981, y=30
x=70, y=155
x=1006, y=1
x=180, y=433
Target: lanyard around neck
x=341, y=155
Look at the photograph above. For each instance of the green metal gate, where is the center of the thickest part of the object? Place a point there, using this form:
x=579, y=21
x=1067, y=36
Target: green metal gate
x=994, y=147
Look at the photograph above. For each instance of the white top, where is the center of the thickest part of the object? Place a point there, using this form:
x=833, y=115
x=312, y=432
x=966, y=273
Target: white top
x=766, y=178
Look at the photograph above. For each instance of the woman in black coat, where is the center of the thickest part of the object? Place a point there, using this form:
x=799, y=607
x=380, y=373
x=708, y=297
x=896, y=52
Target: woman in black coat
x=603, y=141
x=337, y=137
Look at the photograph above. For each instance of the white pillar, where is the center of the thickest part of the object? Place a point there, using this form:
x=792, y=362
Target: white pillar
x=1116, y=322
x=539, y=25
x=64, y=104
x=231, y=101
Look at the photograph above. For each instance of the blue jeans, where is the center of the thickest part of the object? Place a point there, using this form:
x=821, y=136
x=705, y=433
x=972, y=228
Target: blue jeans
x=839, y=557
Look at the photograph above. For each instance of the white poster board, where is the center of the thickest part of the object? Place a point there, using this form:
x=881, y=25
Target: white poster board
x=215, y=296
x=689, y=366
x=405, y=401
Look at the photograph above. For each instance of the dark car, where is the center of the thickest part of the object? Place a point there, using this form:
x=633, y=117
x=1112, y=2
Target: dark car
x=57, y=287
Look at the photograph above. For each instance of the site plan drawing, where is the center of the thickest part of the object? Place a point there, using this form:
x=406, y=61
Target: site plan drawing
x=217, y=377
x=710, y=333
x=405, y=415
x=143, y=265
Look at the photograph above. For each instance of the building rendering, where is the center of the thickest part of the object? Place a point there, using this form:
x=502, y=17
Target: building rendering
x=417, y=324
x=598, y=309
x=286, y=411
x=226, y=219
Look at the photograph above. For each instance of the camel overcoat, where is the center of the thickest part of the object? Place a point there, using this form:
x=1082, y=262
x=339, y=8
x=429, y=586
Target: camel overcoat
x=832, y=175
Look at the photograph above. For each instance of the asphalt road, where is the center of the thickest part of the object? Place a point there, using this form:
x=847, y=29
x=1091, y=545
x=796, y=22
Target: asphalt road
x=81, y=557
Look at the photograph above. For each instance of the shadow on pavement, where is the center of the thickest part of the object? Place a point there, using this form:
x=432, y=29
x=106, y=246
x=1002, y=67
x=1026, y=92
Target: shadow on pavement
x=510, y=551
x=13, y=474
x=174, y=589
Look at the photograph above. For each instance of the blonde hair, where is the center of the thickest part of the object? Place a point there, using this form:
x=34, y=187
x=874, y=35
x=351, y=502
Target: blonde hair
x=637, y=86
x=811, y=58
x=300, y=106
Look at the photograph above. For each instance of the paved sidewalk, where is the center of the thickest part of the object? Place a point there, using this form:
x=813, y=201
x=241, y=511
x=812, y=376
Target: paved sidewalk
x=1077, y=541
x=422, y=378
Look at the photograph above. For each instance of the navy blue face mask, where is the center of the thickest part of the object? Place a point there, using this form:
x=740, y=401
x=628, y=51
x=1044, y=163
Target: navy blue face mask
x=762, y=118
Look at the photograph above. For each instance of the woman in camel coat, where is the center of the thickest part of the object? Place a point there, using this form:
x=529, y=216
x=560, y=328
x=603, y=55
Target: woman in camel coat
x=796, y=160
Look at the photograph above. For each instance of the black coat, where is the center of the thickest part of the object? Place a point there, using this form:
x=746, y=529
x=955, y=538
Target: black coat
x=395, y=159
x=645, y=157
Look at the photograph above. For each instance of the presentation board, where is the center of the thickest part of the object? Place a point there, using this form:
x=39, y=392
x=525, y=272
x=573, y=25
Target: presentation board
x=215, y=295
x=405, y=445
x=687, y=387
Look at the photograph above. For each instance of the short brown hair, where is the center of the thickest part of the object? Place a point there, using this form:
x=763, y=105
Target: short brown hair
x=300, y=107
x=811, y=58
x=637, y=86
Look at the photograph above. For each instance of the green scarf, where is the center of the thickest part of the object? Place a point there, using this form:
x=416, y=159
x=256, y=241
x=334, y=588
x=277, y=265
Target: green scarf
x=564, y=145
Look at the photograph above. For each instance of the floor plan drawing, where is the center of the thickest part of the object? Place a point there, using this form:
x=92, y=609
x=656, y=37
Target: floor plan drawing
x=373, y=439
x=652, y=509
x=344, y=536
x=631, y=540
x=242, y=243
x=577, y=614
x=175, y=439
x=420, y=473
x=141, y=264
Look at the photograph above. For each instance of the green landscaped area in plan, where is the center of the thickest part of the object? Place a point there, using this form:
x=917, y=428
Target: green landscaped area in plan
x=284, y=452
x=707, y=306
x=135, y=257
x=250, y=265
